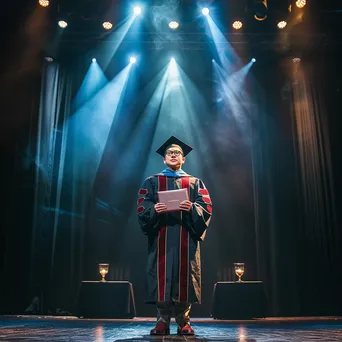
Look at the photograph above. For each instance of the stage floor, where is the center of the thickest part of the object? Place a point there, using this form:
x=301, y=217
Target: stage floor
x=58, y=328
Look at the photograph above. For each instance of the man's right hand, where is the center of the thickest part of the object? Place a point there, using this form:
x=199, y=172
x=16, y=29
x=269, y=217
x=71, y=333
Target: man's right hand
x=160, y=208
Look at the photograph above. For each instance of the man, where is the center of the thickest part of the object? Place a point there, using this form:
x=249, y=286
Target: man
x=173, y=265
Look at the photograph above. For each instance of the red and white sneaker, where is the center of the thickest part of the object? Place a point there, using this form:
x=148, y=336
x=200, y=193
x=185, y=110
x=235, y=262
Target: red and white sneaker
x=160, y=329
x=186, y=330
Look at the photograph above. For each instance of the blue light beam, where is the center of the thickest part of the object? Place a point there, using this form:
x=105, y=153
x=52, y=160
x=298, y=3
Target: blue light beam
x=91, y=124
x=94, y=80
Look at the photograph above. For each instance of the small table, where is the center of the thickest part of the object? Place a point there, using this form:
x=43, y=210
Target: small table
x=110, y=299
x=238, y=300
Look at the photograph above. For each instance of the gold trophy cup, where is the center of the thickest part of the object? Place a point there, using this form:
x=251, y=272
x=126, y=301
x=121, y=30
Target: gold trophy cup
x=239, y=268
x=103, y=270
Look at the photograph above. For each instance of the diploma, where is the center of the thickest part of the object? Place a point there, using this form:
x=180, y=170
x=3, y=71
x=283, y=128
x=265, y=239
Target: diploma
x=173, y=198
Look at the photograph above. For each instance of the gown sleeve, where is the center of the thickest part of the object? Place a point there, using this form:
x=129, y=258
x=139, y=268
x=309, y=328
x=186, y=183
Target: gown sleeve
x=147, y=216
x=198, y=219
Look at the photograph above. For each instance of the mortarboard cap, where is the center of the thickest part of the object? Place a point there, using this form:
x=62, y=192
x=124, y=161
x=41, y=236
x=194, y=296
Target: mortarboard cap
x=174, y=141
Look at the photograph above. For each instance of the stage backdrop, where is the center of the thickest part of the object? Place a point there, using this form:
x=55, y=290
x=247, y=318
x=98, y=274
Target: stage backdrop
x=267, y=154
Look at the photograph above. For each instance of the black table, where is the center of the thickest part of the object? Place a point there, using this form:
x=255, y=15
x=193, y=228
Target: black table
x=234, y=300
x=110, y=299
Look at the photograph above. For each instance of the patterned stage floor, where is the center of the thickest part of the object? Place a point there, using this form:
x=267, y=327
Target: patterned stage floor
x=45, y=328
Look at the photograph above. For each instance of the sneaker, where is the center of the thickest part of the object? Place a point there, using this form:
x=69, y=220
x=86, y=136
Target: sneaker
x=160, y=329
x=186, y=330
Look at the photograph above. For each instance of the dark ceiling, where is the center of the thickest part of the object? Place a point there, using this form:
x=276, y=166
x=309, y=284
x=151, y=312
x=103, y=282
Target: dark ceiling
x=318, y=30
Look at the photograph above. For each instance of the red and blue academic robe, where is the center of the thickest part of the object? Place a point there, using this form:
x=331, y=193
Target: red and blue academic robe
x=173, y=264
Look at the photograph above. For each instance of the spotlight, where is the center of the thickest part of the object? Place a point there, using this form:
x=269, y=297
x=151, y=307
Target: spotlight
x=44, y=3
x=173, y=25
x=172, y=60
x=296, y=60
x=300, y=3
x=62, y=24
x=137, y=10
x=49, y=59
x=132, y=60
x=237, y=25
x=107, y=25
x=205, y=11
x=94, y=60
x=253, y=60
x=260, y=9
x=282, y=24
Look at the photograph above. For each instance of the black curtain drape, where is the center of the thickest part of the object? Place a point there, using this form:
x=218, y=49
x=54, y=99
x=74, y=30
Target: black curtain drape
x=20, y=84
x=297, y=223
x=54, y=262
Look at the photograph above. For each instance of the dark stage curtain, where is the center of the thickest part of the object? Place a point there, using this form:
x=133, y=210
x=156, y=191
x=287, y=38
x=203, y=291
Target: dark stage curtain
x=20, y=84
x=56, y=244
x=318, y=264
x=297, y=225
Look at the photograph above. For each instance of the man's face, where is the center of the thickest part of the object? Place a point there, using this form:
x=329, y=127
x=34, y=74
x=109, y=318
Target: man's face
x=174, y=158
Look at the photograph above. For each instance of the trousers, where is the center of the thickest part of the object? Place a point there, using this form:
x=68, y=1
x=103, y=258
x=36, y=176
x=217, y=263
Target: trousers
x=180, y=310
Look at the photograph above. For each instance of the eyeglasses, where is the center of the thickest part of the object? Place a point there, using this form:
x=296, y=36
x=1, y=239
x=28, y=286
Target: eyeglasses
x=175, y=152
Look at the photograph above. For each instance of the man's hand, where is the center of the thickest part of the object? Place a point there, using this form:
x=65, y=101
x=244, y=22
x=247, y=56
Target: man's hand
x=160, y=208
x=185, y=205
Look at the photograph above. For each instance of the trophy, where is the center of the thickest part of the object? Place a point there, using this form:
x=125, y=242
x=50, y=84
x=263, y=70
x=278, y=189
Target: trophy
x=239, y=268
x=103, y=270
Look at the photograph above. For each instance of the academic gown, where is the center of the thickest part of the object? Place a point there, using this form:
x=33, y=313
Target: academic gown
x=174, y=265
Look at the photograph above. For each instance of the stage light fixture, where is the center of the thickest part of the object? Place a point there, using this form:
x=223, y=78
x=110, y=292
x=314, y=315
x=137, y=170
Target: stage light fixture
x=137, y=10
x=296, y=60
x=260, y=9
x=282, y=24
x=49, y=59
x=94, y=60
x=300, y=3
x=132, y=60
x=172, y=60
x=253, y=60
x=107, y=25
x=237, y=25
x=62, y=24
x=44, y=3
x=205, y=11
x=173, y=25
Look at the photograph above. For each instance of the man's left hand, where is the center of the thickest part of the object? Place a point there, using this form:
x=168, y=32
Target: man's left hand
x=185, y=205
